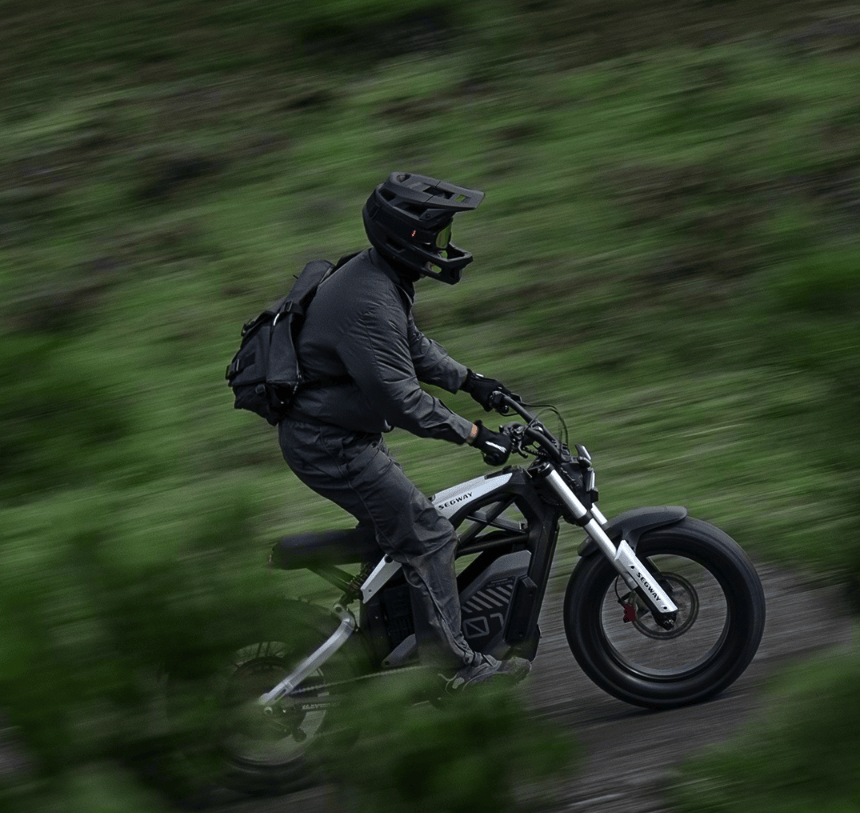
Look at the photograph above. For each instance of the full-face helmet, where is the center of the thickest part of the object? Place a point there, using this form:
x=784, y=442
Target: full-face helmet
x=408, y=220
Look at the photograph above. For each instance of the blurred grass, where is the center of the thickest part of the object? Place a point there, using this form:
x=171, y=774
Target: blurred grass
x=800, y=757
x=667, y=252
x=471, y=752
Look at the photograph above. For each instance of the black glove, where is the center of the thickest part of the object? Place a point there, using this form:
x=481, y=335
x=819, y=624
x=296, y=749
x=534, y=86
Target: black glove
x=495, y=446
x=481, y=389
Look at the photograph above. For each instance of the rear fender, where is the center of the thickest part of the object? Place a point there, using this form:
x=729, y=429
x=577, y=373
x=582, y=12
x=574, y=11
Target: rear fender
x=630, y=525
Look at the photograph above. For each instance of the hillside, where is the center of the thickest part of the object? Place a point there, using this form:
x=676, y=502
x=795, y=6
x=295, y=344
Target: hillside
x=667, y=252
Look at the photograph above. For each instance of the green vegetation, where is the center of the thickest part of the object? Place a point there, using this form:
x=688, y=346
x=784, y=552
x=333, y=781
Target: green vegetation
x=798, y=758
x=667, y=252
x=472, y=752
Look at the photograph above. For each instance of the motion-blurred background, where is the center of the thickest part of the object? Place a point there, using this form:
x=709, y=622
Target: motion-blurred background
x=667, y=252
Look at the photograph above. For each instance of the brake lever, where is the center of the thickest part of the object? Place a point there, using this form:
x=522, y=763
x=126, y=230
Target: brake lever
x=516, y=432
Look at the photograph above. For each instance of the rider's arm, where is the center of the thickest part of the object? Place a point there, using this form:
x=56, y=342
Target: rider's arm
x=377, y=356
x=432, y=363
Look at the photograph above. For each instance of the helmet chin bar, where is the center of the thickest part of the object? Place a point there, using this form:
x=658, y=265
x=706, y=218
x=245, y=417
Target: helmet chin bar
x=429, y=262
x=450, y=270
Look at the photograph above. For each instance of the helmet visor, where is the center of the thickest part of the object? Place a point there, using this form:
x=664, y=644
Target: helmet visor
x=444, y=237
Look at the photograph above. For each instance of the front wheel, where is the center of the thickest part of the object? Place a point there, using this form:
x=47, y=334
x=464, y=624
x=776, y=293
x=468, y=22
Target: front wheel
x=721, y=611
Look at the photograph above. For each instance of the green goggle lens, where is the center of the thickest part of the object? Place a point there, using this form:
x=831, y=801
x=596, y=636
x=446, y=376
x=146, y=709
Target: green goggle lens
x=444, y=237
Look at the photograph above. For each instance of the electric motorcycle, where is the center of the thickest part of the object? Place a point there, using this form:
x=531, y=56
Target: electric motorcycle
x=661, y=610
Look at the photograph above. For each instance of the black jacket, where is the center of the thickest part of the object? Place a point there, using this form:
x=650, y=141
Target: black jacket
x=360, y=325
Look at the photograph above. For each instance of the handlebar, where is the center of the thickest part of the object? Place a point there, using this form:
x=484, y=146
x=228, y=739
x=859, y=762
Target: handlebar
x=504, y=403
x=534, y=430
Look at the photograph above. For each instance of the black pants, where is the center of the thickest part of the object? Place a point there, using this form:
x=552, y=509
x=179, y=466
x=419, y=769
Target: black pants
x=356, y=471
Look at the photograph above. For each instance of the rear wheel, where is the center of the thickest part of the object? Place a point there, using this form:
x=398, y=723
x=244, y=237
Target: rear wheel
x=720, y=620
x=255, y=750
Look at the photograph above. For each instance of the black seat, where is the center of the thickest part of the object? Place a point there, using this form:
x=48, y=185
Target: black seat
x=329, y=547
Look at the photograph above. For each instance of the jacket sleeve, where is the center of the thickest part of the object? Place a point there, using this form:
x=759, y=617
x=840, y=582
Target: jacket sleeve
x=376, y=354
x=432, y=363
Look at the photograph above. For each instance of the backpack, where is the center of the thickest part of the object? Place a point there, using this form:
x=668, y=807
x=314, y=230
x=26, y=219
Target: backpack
x=265, y=374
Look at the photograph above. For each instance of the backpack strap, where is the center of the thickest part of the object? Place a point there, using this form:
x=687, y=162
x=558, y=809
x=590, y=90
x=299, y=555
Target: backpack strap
x=344, y=260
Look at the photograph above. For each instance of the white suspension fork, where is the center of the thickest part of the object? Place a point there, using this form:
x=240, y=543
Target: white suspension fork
x=622, y=556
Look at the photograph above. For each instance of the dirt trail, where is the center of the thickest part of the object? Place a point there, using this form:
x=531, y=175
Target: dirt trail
x=633, y=753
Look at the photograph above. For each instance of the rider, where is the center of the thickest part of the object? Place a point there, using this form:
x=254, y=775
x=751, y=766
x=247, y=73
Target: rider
x=360, y=336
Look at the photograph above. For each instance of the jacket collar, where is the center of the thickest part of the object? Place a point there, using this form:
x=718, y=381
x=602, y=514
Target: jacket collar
x=405, y=286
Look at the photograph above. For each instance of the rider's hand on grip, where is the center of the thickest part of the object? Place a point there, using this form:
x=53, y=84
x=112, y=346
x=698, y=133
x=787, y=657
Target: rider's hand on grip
x=482, y=389
x=495, y=446
x=497, y=402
